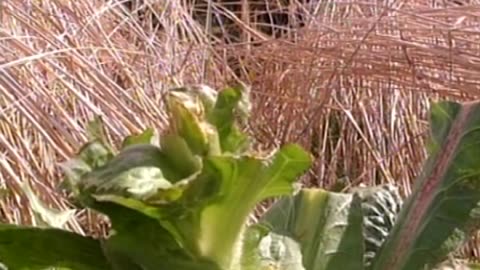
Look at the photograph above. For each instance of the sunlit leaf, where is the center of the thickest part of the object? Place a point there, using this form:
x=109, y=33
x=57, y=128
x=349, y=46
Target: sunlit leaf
x=327, y=226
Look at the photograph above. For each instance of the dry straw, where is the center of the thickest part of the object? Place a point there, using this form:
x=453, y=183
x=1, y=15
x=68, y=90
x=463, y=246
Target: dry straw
x=353, y=84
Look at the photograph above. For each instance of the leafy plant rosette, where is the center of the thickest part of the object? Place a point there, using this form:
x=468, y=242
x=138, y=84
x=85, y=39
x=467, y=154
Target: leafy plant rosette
x=182, y=200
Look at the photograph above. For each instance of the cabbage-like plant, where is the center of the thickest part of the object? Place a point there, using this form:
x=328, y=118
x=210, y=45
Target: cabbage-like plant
x=182, y=200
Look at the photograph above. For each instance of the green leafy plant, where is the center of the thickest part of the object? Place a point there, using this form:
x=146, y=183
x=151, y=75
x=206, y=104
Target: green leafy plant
x=182, y=200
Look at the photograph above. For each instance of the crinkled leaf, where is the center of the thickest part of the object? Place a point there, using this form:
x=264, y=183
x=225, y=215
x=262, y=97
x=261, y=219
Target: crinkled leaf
x=223, y=116
x=187, y=118
x=207, y=95
x=46, y=215
x=139, y=183
x=91, y=156
x=142, y=176
x=280, y=252
x=381, y=205
x=326, y=225
x=95, y=154
x=38, y=249
x=114, y=176
x=265, y=250
x=74, y=169
x=95, y=130
x=441, y=213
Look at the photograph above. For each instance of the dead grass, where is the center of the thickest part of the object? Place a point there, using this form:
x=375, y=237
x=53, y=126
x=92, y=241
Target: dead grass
x=353, y=85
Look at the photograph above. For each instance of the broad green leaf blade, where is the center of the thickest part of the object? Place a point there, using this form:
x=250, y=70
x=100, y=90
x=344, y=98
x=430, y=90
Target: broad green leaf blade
x=38, y=249
x=148, y=136
x=148, y=246
x=443, y=209
x=327, y=226
x=207, y=96
x=441, y=119
x=283, y=170
x=139, y=242
x=208, y=218
x=119, y=174
x=230, y=187
x=197, y=196
x=212, y=211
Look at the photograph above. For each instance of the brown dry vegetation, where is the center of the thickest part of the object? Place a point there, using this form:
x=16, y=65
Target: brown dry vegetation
x=353, y=85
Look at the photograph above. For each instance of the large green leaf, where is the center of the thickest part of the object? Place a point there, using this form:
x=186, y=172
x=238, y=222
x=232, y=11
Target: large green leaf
x=233, y=186
x=156, y=168
x=28, y=248
x=380, y=205
x=210, y=214
x=139, y=242
x=189, y=195
x=148, y=136
x=444, y=207
x=326, y=225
